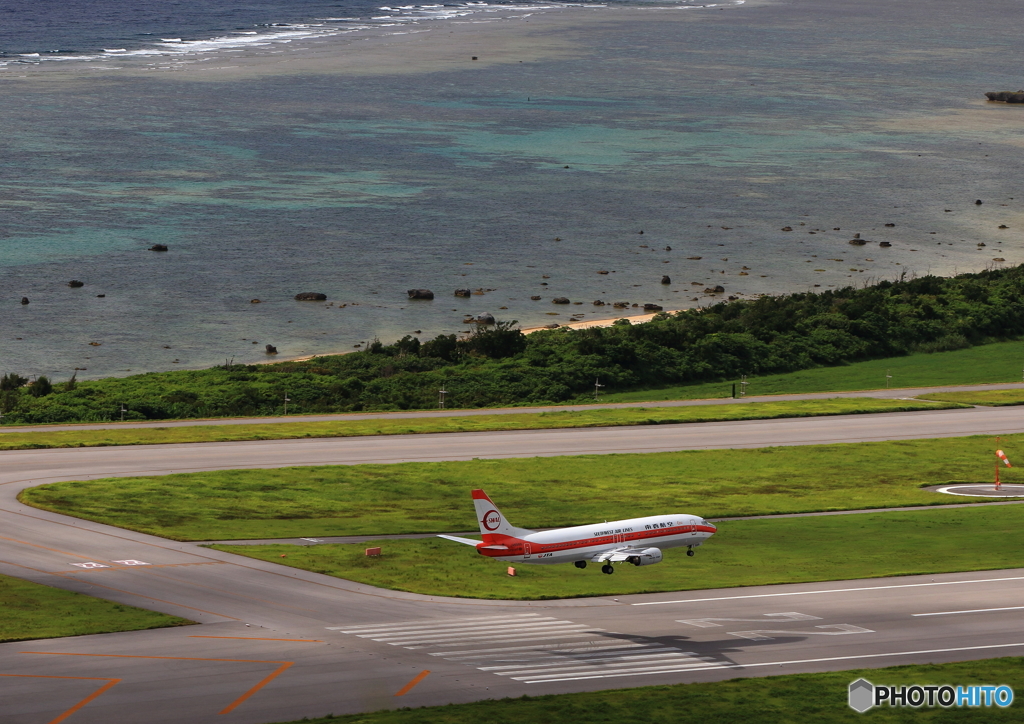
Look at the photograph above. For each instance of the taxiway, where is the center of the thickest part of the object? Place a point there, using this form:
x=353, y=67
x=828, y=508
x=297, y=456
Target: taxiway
x=278, y=644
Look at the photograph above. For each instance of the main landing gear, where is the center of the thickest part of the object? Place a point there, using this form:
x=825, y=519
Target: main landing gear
x=607, y=568
x=690, y=552
x=580, y=564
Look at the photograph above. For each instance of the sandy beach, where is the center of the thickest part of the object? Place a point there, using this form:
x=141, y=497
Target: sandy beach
x=633, y=319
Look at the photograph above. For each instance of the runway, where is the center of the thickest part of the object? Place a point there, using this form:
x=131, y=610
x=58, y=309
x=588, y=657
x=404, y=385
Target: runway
x=277, y=644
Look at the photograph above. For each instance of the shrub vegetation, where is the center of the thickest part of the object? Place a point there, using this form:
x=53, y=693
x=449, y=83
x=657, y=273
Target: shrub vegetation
x=501, y=366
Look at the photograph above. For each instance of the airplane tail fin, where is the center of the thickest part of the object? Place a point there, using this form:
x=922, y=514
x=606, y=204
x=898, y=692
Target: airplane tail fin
x=492, y=522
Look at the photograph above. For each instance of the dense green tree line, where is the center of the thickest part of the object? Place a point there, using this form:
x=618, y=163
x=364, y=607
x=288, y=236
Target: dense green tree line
x=501, y=366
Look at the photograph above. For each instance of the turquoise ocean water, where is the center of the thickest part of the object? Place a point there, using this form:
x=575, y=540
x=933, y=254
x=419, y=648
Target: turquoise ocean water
x=709, y=135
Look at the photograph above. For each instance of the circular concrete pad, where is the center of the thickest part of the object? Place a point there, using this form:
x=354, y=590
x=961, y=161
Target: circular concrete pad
x=980, y=490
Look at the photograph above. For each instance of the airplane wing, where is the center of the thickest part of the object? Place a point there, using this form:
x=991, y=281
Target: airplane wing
x=474, y=543
x=615, y=555
x=463, y=541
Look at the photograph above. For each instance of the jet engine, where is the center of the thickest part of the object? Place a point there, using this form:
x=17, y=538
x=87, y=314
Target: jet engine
x=646, y=557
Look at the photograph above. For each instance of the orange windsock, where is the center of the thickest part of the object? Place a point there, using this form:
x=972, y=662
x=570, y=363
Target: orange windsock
x=1002, y=456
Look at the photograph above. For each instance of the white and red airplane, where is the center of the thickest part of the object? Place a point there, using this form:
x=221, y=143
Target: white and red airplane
x=630, y=541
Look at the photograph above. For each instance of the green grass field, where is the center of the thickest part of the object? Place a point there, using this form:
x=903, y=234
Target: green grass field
x=742, y=553
x=476, y=423
x=34, y=611
x=990, y=363
x=533, y=492
x=787, y=699
x=993, y=398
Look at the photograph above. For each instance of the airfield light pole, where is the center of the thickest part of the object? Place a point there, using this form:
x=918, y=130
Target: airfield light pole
x=743, y=386
x=887, y=378
x=123, y=410
x=440, y=397
x=287, y=399
x=597, y=387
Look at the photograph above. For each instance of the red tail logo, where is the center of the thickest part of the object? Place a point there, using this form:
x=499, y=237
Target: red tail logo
x=491, y=520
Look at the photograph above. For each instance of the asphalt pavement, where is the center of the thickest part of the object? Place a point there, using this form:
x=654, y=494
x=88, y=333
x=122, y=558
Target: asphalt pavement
x=277, y=643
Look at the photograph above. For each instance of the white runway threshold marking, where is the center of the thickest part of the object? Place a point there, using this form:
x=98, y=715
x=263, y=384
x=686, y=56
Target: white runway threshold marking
x=831, y=590
x=534, y=649
x=825, y=660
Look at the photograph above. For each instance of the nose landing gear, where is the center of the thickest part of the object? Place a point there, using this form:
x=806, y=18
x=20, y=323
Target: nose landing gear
x=580, y=564
x=607, y=568
x=690, y=552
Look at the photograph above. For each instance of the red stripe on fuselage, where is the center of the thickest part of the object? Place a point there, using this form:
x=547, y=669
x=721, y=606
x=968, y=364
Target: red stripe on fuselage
x=516, y=545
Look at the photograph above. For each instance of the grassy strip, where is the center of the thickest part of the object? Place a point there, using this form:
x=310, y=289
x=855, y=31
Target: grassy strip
x=533, y=492
x=743, y=553
x=475, y=423
x=34, y=611
x=991, y=363
x=991, y=398
x=788, y=699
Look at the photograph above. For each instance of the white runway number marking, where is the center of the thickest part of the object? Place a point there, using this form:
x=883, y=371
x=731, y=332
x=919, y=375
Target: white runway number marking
x=132, y=562
x=839, y=629
x=535, y=649
x=91, y=564
x=768, y=617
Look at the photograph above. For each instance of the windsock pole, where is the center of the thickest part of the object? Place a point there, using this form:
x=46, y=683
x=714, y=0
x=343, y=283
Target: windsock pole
x=997, y=464
x=1000, y=455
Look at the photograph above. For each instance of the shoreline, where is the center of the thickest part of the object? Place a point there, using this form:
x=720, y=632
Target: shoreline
x=475, y=41
x=608, y=322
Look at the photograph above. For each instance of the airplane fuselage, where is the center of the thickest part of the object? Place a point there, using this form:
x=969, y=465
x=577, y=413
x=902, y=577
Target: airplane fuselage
x=582, y=542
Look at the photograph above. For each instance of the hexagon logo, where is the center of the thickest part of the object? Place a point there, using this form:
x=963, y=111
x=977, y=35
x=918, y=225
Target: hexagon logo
x=862, y=695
